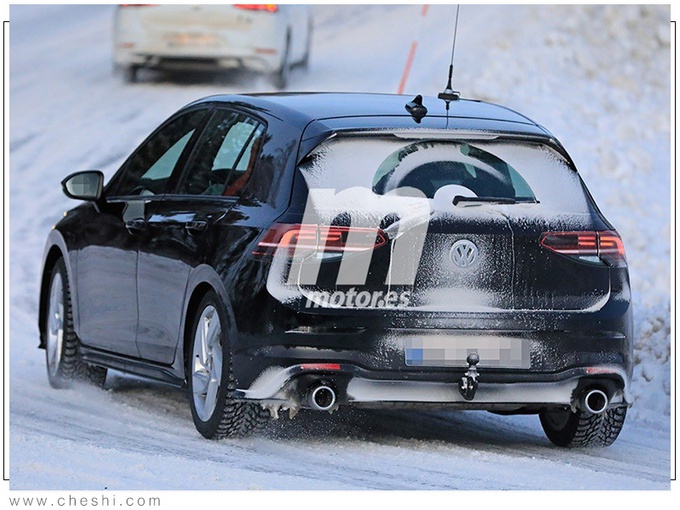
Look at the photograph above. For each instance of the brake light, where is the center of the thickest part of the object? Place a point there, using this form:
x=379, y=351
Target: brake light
x=287, y=237
x=304, y=240
x=605, y=246
x=610, y=247
x=320, y=366
x=579, y=244
x=258, y=7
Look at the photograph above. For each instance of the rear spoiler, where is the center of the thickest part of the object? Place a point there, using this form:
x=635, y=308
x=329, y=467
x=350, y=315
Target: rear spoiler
x=315, y=133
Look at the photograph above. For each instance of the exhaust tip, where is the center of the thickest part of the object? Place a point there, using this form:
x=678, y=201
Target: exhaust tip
x=322, y=398
x=595, y=401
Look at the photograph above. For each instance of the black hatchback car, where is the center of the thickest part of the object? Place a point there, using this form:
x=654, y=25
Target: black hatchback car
x=287, y=251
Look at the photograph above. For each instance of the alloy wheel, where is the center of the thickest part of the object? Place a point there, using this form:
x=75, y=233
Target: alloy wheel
x=206, y=365
x=55, y=325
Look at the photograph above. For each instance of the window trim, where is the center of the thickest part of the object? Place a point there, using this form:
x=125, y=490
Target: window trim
x=175, y=181
x=181, y=161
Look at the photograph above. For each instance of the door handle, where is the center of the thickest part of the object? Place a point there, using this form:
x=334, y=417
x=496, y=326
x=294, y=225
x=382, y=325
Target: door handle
x=134, y=226
x=195, y=227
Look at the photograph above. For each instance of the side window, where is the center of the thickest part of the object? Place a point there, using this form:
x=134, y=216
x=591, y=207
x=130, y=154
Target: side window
x=148, y=170
x=224, y=157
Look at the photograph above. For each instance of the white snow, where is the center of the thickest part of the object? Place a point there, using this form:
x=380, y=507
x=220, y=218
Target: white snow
x=596, y=76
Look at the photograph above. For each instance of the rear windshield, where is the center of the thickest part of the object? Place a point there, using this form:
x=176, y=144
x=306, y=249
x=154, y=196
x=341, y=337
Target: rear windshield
x=443, y=171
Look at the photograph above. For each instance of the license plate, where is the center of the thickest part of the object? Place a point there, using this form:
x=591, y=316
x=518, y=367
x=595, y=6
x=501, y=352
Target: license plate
x=189, y=40
x=452, y=351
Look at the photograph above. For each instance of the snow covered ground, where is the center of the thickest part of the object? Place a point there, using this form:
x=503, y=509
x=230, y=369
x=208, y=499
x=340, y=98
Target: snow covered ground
x=598, y=77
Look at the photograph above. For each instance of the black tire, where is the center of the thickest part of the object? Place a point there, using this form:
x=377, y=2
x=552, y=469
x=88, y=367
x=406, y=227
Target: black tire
x=130, y=74
x=230, y=417
x=304, y=64
x=63, y=366
x=580, y=429
x=281, y=77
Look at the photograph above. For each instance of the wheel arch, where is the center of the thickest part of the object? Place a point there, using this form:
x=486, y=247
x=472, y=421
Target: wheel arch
x=55, y=249
x=203, y=280
x=192, y=305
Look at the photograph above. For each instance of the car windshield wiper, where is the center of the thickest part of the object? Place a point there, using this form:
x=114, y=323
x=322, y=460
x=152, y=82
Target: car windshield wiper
x=493, y=200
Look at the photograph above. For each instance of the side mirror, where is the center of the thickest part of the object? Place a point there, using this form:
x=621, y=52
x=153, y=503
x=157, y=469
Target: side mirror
x=86, y=185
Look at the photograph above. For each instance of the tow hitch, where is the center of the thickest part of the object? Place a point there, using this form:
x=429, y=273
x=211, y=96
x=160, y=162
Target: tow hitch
x=468, y=383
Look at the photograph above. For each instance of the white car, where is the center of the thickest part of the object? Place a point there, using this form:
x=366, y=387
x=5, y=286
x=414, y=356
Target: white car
x=267, y=38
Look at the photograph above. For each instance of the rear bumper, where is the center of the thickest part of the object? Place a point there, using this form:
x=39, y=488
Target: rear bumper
x=376, y=366
x=389, y=354
x=287, y=387
x=235, y=60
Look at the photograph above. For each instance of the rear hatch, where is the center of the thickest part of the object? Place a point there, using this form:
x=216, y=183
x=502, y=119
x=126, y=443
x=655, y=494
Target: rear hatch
x=191, y=28
x=439, y=225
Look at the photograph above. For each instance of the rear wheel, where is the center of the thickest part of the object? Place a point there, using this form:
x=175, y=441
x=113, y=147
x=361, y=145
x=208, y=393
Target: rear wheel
x=215, y=412
x=130, y=74
x=59, y=337
x=571, y=430
x=281, y=76
x=304, y=64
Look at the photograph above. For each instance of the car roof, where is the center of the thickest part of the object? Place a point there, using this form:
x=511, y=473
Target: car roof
x=302, y=108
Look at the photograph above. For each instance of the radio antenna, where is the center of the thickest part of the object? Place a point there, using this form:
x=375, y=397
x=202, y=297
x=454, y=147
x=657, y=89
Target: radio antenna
x=449, y=94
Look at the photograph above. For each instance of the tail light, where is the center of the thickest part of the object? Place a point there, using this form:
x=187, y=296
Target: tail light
x=258, y=7
x=330, y=367
x=326, y=241
x=605, y=246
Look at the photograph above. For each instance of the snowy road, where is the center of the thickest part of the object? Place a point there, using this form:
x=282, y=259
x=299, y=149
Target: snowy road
x=69, y=113
x=140, y=435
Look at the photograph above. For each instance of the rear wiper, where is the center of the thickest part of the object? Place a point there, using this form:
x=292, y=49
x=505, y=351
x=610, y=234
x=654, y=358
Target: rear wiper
x=487, y=200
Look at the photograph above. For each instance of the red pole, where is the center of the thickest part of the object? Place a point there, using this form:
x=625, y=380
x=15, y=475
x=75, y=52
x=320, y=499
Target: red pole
x=411, y=55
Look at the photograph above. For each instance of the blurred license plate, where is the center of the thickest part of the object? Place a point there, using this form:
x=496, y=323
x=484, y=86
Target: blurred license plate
x=452, y=351
x=189, y=40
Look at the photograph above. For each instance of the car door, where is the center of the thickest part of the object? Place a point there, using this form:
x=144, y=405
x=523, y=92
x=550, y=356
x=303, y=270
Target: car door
x=106, y=274
x=180, y=234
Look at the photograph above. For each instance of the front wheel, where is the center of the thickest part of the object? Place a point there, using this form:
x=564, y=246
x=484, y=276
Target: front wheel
x=215, y=412
x=59, y=337
x=572, y=430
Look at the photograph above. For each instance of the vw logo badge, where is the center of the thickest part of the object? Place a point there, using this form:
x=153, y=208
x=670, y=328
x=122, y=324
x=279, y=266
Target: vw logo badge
x=463, y=253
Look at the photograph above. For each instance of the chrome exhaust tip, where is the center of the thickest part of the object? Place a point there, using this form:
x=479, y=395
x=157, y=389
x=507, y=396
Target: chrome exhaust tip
x=322, y=398
x=594, y=401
